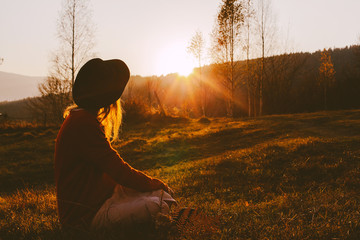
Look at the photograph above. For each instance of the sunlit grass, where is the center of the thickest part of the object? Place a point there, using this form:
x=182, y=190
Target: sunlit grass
x=28, y=213
x=276, y=177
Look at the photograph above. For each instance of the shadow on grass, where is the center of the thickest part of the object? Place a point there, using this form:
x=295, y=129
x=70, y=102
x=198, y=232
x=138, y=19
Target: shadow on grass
x=26, y=158
x=313, y=163
x=175, y=151
x=315, y=184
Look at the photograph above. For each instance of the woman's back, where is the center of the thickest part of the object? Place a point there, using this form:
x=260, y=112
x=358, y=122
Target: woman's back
x=81, y=185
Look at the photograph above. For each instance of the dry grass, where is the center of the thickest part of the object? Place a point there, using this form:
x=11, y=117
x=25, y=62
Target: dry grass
x=276, y=177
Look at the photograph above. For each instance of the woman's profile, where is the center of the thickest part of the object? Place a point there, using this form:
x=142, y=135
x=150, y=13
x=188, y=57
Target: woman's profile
x=95, y=187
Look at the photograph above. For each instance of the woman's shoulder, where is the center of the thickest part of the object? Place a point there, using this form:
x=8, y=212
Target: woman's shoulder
x=83, y=115
x=81, y=119
x=80, y=125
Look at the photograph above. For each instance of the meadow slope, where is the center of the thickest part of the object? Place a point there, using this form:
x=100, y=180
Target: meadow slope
x=275, y=177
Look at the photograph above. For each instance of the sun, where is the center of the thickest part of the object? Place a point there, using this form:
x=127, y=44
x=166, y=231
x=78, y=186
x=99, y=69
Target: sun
x=173, y=58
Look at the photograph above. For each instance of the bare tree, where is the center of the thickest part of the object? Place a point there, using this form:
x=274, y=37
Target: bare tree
x=226, y=38
x=152, y=85
x=149, y=88
x=266, y=30
x=75, y=33
x=196, y=48
x=248, y=17
x=55, y=97
x=129, y=89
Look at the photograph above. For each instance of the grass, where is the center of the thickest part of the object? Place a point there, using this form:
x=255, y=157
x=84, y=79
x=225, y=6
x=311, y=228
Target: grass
x=274, y=177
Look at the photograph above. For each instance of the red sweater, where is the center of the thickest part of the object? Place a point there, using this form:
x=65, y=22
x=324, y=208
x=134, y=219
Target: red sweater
x=87, y=169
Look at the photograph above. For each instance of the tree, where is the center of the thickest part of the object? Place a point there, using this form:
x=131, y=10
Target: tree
x=55, y=97
x=129, y=89
x=152, y=85
x=196, y=48
x=75, y=33
x=326, y=74
x=265, y=29
x=249, y=83
x=226, y=35
x=357, y=49
x=282, y=69
x=149, y=88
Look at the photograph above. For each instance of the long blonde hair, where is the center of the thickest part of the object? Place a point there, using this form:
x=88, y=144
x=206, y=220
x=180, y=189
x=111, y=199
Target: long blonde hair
x=110, y=117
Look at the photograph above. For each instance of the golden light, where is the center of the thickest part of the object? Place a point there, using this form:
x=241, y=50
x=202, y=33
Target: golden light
x=173, y=58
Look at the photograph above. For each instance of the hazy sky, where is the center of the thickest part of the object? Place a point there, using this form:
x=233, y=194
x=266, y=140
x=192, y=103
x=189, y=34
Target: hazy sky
x=152, y=35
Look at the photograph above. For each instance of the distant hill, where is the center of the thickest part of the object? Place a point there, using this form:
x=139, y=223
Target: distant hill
x=16, y=110
x=15, y=86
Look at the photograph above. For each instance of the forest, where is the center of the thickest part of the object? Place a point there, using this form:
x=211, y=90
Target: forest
x=292, y=84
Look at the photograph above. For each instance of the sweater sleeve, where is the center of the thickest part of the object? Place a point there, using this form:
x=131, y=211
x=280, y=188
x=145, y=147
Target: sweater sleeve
x=97, y=150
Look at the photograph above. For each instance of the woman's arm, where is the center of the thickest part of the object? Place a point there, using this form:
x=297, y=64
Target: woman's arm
x=98, y=151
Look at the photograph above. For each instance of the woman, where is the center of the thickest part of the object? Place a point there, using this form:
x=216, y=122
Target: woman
x=91, y=178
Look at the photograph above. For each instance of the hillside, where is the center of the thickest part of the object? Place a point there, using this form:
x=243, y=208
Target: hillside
x=16, y=110
x=291, y=82
x=275, y=177
x=291, y=85
x=15, y=86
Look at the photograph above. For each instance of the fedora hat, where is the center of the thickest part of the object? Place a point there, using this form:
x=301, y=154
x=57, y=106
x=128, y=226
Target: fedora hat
x=100, y=83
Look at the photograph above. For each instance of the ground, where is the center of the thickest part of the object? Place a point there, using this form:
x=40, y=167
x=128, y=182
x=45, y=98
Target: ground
x=275, y=177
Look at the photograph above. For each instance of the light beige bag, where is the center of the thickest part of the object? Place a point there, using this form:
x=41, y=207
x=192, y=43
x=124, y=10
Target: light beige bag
x=127, y=206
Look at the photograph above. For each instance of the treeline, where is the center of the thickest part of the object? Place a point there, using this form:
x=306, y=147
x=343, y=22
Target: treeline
x=292, y=84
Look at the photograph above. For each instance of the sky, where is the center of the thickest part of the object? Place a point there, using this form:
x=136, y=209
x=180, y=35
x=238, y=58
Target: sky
x=151, y=36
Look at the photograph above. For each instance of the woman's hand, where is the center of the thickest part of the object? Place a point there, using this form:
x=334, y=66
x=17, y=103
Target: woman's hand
x=161, y=185
x=170, y=191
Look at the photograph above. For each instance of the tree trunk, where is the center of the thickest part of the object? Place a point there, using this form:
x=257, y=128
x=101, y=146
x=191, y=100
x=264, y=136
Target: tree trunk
x=160, y=105
x=262, y=61
x=262, y=79
x=73, y=46
x=232, y=68
x=325, y=98
x=249, y=101
x=247, y=59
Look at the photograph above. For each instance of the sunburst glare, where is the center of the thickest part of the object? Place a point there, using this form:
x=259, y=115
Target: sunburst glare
x=174, y=59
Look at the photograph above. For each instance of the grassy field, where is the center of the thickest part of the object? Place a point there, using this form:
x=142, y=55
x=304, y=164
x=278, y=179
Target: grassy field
x=275, y=177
